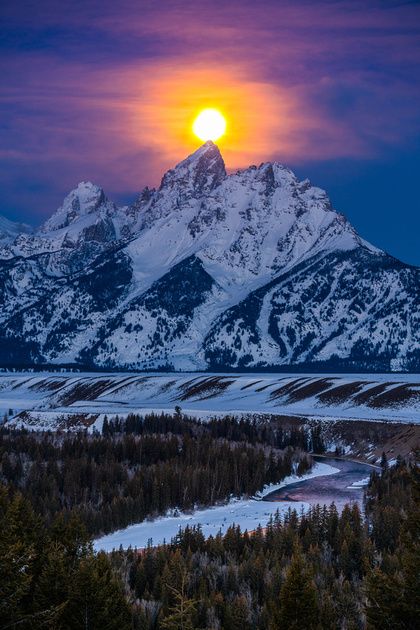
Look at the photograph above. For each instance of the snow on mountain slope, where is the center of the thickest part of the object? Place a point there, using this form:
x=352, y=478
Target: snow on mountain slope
x=244, y=270
x=246, y=227
x=85, y=214
x=9, y=230
x=84, y=226
x=345, y=305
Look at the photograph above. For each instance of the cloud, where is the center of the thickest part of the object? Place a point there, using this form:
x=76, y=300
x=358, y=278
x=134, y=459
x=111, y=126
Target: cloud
x=108, y=91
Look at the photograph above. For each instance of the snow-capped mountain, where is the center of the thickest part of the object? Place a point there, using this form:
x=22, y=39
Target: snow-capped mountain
x=9, y=230
x=86, y=214
x=250, y=270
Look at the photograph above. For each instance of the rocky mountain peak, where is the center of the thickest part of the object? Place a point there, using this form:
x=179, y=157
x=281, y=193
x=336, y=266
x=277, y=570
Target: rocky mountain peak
x=198, y=174
x=210, y=271
x=85, y=199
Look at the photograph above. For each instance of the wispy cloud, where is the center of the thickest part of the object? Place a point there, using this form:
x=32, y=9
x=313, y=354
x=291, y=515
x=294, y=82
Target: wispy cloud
x=108, y=90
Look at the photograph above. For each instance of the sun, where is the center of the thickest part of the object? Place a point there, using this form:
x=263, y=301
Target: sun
x=210, y=124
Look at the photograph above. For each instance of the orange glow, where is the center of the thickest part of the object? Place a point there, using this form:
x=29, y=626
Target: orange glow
x=263, y=120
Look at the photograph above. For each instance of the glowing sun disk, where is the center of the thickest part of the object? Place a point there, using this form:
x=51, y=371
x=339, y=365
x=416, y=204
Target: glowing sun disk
x=210, y=124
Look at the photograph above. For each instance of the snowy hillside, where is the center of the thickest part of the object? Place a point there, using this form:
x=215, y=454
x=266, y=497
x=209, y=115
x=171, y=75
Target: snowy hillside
x=9, y=230
x=81, y=399
x=210, y=270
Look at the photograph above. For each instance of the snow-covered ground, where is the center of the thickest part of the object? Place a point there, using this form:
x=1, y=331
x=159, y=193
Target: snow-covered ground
x=55, y=400
x=356, y=485
x=247, y=513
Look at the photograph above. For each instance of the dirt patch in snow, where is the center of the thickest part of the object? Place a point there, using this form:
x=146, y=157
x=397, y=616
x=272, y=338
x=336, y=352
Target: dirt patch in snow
x=341, y=393
x=55, y=422
x=85, y=391
x=369, y=395
x=310, y=389
x=367, y=440
x=48, y=385
x=207, y=388
x=400, y=395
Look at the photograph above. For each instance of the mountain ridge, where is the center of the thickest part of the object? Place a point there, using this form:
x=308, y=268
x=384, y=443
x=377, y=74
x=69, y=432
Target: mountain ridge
x=210, y=271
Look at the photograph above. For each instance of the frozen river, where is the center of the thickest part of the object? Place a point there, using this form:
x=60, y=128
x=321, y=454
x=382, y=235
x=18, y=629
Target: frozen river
x=330, y=480
x=344, y=487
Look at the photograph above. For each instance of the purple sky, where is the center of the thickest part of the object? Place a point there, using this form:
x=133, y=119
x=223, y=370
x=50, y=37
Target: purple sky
x=105, y=91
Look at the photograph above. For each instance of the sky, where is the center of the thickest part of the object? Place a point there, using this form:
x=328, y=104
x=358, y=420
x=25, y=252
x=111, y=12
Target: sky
x=107, y=91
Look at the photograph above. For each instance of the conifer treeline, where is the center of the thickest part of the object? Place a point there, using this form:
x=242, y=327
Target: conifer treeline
x=276, y=433
x=49, y=576
x=141, y=467
x=320, y=571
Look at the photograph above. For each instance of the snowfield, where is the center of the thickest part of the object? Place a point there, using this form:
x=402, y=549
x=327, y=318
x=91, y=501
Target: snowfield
x=247, y=513
x=46, y=401
x=360, y=484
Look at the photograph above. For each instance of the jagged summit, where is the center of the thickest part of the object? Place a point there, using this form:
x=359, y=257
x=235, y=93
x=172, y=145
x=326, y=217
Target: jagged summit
x=246, y=270
x=85, y=199
x=198, y=174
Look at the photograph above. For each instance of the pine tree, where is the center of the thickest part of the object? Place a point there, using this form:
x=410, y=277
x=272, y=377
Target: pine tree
x=298, y=598
x=97, y=600
x=384, y=595
x=51, y=589
x=17, y=556
x=181, y=614
x=237, y=616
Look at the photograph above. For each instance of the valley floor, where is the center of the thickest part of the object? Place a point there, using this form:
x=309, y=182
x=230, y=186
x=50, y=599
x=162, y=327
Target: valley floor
x=66, y=400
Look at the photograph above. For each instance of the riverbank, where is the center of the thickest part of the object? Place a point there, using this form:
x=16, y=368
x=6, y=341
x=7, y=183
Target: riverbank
x=344, y=458
x=347, y=486
x=247, y=513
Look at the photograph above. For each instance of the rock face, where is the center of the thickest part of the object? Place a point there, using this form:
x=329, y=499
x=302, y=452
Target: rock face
x=211, y=271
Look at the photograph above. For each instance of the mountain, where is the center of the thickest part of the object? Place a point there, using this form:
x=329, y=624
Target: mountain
x=9, y=230
x=250, y=270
